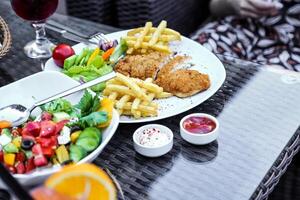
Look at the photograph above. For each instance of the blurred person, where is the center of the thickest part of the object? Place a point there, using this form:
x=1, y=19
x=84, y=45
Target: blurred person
x=257, y=30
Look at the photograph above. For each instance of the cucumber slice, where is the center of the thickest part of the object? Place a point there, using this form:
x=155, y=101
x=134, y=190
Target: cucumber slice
x=97, y=61
x=92, y=133
x=69, y=62
x=59, y=116
x=86, y=58
x=10, y=148
x=77, y=153
x=83, y=53
x=89, y=144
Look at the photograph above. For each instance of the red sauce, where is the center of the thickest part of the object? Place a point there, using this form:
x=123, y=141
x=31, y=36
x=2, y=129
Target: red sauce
x=199, y=125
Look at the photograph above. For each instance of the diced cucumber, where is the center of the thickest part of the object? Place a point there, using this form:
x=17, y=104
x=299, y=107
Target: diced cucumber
x=59, y=116
x=97, y=61
x=7, y=132
x=77, y=153
x=99, y=87
x=83, y=53
x=28, y=154
x=91, y=132
x=86, y=58
x=10, y=148
x=69, y=62
x=89, y=144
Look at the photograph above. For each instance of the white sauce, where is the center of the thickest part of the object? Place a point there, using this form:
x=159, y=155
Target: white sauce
x=9, y=114
x=153, y=137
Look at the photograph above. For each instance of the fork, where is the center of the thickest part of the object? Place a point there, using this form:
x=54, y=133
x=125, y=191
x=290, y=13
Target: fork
x=72, y=34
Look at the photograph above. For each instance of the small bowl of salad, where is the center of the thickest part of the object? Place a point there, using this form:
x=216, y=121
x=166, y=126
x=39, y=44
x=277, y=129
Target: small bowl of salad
x=70, y=130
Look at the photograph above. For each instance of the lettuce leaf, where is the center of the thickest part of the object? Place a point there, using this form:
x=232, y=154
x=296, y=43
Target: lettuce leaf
x=93, y=119
x=58, y=105
x=87, y=73
x=88, y=103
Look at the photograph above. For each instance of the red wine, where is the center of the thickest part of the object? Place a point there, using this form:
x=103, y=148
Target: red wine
x=34, y=10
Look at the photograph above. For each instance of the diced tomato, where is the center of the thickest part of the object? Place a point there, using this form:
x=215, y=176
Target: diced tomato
x=46, y=116
x=47, y=142
x=1, y=156
x=32, y=128
x=48, y=128
x=54, y=141
x=20, y=167
x=60, y=125
x=40, y=160
x=21, y=157
x=48, y=151
x=37, y=149
x=29, y=165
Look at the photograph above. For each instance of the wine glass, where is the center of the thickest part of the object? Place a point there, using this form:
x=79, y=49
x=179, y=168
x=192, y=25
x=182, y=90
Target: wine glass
x=36, y=11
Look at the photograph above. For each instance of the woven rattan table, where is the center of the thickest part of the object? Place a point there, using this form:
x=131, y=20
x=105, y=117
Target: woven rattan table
x=258, y=110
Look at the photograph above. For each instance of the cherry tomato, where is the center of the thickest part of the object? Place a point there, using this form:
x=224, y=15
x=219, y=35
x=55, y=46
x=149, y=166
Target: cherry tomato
x=62, y=52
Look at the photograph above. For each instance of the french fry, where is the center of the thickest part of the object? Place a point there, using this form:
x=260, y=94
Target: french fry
x=163, y=38
x=123, y=90
x=134, y=107
x=134, y=97
x=156, y=47
x=149, y=86
x=157, y=33
x=140, y=38
x=132, y=85
x=163, y=95
x=142, y=108
x=113, y=96
x=121, y=103
x=166, y=31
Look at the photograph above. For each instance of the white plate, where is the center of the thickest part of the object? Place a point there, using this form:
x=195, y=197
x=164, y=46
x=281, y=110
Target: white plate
x=39, y=86
x=205, y=62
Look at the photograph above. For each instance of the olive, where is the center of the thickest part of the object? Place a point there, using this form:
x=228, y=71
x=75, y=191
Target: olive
x=67, y=162
x=75, y=128
x=27, y=144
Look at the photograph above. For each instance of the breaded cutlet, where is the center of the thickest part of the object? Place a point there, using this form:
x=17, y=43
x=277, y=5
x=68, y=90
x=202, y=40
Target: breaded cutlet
x=141, y=66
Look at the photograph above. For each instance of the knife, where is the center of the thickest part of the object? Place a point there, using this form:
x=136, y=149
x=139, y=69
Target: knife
x=67, y=29
x=70, y=36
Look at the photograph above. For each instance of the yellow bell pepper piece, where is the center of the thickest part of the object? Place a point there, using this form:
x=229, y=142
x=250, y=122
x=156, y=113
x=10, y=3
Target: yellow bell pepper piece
x=74, y=136
x=17, y=142
x=62, y=154
x=9, y=158
x=107, y=105
x=94, y=54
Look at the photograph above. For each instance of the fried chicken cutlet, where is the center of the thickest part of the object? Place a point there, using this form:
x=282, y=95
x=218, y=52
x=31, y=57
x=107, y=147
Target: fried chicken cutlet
x=141, y=66
x=181, y=82
x=159, y=66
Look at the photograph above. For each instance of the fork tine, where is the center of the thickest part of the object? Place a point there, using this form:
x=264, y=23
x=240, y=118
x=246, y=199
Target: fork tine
x=101, y=36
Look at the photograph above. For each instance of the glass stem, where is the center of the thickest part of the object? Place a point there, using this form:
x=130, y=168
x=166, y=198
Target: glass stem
x=40, y=33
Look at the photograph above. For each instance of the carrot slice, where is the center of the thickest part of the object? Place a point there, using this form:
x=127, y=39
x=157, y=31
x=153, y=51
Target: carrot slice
x=5, y=124
x=107, y=53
